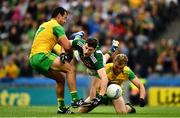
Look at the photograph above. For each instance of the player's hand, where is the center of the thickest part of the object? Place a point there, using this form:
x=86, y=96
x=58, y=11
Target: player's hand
x=142, y=102
x=80, y=34
x=65, y=57
x=114, y=46
x=96, y=101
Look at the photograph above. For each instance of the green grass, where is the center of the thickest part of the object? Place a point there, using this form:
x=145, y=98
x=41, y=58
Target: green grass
x=101, y=111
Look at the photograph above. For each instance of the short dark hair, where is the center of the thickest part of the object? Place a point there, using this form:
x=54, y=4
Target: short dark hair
x=92, y=42
x=58, y=10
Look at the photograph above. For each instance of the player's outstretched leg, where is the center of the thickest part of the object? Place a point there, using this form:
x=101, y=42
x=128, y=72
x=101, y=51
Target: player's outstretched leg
x=77, y=103
x=86, y=108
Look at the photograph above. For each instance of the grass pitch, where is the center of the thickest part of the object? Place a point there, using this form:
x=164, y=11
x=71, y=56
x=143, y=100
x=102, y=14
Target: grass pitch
x=101, y=111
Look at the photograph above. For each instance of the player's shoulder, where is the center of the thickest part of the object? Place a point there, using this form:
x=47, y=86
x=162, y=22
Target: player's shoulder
x=108, y=65
x=98, y=52
x=79, y=42
x=126, y=69
x=52, y=23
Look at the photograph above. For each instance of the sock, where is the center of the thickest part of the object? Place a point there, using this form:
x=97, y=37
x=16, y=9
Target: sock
x=74, y=95
x=61, y=103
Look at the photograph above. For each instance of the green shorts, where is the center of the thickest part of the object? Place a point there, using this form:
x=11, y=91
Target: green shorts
x=42, y=62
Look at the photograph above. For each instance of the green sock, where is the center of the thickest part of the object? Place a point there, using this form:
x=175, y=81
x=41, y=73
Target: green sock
x=74, y=96
x=61, y=103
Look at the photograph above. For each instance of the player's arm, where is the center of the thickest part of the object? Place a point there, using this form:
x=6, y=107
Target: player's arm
x=58, y=49
x=76, y=40
x=95, y=86
x=65, y=43
x=103, y=76
x=103, y=85
x=104, y=81
x=135, y=80
x=62, y=39
x=113, y=48
x=76, y=36
x=141, y=88
x=101, y=72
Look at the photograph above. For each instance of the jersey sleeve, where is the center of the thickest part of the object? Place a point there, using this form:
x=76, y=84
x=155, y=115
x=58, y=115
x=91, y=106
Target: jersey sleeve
x=58, y=31
x=129, y=72
x=108, y=67
x=77, y=44
x=99, y=57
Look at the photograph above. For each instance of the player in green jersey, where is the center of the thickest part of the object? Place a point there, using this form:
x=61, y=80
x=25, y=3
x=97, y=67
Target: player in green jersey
x=93, y=58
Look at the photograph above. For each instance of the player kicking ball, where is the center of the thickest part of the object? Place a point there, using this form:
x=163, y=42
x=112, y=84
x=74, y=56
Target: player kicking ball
x=118, y=72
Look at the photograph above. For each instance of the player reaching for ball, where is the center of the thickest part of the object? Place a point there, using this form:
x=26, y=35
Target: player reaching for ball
x=90, y=54
x=118, y=72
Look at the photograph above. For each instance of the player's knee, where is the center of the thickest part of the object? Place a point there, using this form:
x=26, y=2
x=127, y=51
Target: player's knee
x=122, y=112
x=71, y=69
x=59, y=81
x=82, y=110
x=85, y=109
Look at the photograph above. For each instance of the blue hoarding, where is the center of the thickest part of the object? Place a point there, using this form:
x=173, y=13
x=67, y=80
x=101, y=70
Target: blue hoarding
x=38, y=91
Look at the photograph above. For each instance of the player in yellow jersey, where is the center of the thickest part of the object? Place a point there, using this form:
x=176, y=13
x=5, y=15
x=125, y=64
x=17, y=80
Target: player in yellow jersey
x=43, y=60
x=118, y=72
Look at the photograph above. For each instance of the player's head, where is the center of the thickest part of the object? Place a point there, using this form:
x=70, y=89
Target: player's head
x=119, y=62
x=90, y=46
x=60, y=14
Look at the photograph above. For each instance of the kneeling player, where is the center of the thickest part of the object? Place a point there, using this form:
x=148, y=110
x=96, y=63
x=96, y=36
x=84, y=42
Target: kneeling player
x=118, y=72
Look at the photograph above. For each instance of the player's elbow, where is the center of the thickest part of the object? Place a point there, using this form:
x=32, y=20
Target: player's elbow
x=66, y=46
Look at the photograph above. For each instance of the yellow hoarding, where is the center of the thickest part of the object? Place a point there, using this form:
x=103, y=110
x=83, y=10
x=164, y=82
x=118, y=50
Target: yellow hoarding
x=164, y=96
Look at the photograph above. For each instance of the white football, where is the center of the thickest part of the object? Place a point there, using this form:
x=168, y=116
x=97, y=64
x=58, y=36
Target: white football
x=114, y=91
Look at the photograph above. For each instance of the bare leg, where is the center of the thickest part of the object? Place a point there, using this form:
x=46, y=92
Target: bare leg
x=94, y=87
x=86, y=109
x=71, y=78
x=60, y=82
x=119, y=105
x=128, y=108
x=69, y=69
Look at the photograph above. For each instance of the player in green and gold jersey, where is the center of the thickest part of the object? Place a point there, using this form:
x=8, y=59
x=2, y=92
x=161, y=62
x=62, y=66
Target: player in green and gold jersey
x=43, y=60
x=118, y=72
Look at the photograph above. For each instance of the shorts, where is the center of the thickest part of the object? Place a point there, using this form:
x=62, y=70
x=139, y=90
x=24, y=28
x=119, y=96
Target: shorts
x=42, y=62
